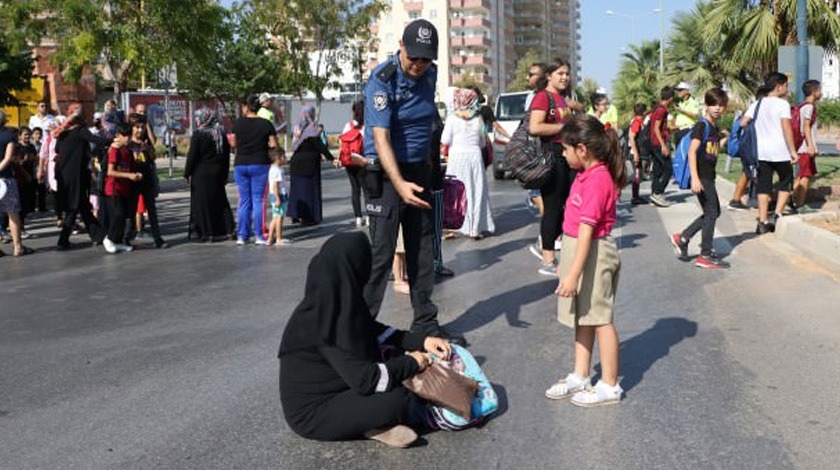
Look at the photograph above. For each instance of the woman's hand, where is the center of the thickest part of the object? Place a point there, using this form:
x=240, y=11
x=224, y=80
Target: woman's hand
x=437, y=346
x=423, y=360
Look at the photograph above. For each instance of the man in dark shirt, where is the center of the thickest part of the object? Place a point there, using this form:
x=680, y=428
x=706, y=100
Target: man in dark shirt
x=399, y=112
x=659, y=134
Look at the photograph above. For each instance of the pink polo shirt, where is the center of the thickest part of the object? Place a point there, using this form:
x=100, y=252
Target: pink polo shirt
x=592, y=201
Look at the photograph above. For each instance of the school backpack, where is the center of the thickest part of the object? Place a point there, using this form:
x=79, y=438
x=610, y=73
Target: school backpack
x=733, y=142
x=796, y=123
x=680, y=162
x=350, y=142
x=643, y=142
x=528, y=158
x=748, y=141
x=484, y=403
x=454, y=203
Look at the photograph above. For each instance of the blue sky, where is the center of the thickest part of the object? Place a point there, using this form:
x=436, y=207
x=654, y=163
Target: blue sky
x=603, y=36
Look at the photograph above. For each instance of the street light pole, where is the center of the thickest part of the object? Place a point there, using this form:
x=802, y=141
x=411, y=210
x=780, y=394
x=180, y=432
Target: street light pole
x=633, y=19
x=661, y=44
x=802, y=48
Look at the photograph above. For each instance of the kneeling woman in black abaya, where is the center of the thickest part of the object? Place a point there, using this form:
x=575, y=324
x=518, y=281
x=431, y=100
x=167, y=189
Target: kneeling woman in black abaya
x=334, y=384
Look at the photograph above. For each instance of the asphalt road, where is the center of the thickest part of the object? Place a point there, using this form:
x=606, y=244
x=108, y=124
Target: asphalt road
x=167, y=358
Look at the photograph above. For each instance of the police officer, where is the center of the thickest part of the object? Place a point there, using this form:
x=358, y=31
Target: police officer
x=399, y=113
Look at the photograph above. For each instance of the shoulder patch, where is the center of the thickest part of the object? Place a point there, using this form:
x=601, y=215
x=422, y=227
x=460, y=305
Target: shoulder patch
x=387, y=72
x=380, y=100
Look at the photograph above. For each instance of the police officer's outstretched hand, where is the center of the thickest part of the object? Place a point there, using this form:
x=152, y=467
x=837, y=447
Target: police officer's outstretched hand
x=409, y=191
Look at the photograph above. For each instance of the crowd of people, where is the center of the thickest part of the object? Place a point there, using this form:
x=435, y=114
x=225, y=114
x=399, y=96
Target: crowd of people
x=334, y=382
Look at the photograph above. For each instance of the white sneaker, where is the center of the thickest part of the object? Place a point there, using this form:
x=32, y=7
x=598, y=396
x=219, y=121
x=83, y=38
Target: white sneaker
x=564, y=388
x=283, y=242
x=260, y=241
x=25, y=235
x=549, y=269
x=240, y=241
x=110, y=247
x=599, y=395
x=123, y=248
x=535, y=250
x=659, y=200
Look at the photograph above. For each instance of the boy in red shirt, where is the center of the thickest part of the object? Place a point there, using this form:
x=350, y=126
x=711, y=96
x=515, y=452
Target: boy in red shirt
x=636, y=125
x=118, y=188
x=659, y=134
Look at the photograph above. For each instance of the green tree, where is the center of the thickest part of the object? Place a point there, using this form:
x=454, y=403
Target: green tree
x=520, y=77
x=130, y=37
x=245, y=61
x=324, y=30
x=701, y=59
x=758, y=28
x=15, y=72
x=638, y=79
x=468, y=80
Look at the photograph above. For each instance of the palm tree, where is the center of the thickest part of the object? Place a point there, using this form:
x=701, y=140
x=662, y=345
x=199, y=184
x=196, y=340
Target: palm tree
x=758, y=28
x=638, y=78
x=700, y=59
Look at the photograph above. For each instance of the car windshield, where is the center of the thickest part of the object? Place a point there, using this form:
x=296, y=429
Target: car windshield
x=511, y=107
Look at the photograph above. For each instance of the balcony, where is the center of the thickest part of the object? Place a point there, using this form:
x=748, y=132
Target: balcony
x=479, y=42
x=473, y=22
x=469, y=5
x=413, y=5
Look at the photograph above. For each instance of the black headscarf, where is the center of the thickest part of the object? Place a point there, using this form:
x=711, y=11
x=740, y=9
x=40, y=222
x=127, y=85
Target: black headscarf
x=333, y=311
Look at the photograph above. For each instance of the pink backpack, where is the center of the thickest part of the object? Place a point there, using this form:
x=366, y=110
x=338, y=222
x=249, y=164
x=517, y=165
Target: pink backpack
x=454, y=203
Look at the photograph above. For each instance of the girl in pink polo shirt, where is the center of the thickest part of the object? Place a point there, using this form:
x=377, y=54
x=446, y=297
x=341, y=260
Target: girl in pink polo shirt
x=590, y=265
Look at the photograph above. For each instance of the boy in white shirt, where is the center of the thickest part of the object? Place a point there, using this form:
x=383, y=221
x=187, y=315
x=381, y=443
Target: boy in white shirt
x=278, y=198
x=776, y=152
x=812, y=89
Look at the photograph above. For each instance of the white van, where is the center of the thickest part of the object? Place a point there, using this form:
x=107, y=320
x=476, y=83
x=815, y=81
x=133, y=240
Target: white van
x=510, y=109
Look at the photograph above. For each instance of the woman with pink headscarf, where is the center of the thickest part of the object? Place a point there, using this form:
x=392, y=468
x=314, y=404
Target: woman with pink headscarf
x=464, y=132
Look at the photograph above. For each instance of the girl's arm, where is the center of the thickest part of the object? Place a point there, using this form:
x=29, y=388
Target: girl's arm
x=112, y=171
x=696, y=187
x=275, y=190
x=538, y=126
x=569, y=282
x=8, y=156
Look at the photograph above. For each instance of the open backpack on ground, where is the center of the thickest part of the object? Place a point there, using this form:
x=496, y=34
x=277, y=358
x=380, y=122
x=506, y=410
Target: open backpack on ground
x=680, y=163
x=484, y=403
x=529, y=159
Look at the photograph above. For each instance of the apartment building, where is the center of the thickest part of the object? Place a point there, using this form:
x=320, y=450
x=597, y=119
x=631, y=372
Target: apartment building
x=482, y=39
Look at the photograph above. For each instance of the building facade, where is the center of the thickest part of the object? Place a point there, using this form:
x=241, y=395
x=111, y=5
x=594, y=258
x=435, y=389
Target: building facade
x=480, y=40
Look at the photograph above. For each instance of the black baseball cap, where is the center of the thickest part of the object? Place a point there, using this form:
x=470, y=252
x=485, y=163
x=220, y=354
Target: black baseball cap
x=420, y=39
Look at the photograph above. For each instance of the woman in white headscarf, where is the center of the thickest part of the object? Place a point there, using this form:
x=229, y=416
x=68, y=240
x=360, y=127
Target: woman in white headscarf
x=464, y=132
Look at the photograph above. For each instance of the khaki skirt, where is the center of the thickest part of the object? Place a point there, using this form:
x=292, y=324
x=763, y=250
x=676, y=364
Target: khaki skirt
x=593, y=303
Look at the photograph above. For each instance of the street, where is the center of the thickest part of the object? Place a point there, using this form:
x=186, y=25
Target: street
x=168, y=358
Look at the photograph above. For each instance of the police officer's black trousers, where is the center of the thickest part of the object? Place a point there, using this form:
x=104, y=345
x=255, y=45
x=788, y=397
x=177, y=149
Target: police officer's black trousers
x=386, y=214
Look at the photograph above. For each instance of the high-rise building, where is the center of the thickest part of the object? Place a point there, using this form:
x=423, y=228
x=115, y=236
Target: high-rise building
x=551, y=28
x=481, y=39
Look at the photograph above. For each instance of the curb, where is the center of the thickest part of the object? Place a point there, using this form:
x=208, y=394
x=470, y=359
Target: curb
x=817, y=244
x=814, y=243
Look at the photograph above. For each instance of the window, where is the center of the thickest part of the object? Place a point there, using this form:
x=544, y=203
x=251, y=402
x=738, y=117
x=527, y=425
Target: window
x=413, y=15
x=432, y=14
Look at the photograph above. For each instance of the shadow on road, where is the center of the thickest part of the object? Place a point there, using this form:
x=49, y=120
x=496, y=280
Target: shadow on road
x=508, y=304
x=639, y=353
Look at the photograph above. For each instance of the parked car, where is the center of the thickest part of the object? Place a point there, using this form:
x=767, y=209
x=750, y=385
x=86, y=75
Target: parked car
x=510, y=109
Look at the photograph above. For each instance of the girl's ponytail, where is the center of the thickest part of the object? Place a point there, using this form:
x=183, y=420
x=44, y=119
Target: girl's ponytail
x=614, y=159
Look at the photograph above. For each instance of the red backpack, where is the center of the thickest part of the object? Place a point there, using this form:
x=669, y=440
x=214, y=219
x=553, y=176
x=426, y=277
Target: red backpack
x=796, y=123
x=350, y=142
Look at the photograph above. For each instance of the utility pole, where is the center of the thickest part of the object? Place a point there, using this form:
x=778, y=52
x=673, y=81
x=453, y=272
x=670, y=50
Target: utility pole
x=661, y=35
x=802, y=48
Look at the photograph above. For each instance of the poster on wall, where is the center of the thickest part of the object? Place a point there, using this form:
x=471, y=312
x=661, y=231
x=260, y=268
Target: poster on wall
x=180, y=108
